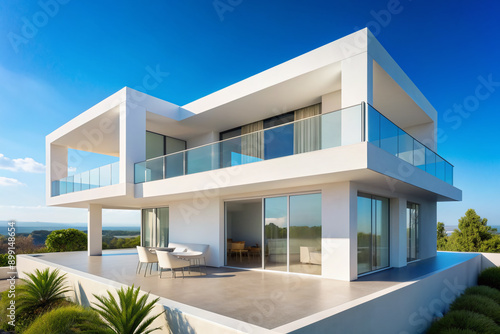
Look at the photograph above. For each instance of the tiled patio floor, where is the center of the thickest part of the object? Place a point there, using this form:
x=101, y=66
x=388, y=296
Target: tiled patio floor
x=266, y=299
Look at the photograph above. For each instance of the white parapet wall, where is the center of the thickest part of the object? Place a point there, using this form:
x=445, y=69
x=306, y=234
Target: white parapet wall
x=179, y=318
x=418, y=302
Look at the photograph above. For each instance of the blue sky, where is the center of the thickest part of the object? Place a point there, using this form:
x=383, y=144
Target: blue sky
x=60, y=57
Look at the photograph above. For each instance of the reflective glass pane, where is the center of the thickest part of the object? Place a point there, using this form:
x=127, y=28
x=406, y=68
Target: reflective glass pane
x=140, y=173
x=69, y=184
x=174, y=165
x=275, y=233
x=405, y=146
x=380, y=232
x=351, y=125
x=373, y=126
x=62, y=186
x=105, y=176
x=85, y=178
x=388, y=136
x=278, y=142
x=430, y=162
x=419, y=155
x=364, y=234
x=155, y=145
x=252, y=149
x=440, y=167
x=173, y=145
x=77, y=182
x=305, y=234
x=94, y=178
x=55, y=188
x=307, y=135
x=202, y=159
x=231, y=152
x=162, y=229
x=115, y=173
x=331, y=130
x=412, y=217
x=449, y=173
x=148, y=225
x=154, y=169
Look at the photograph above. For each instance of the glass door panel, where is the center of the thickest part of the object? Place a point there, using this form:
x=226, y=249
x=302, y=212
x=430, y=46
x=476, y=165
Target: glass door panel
x=305, y=234
x=275, y=233
x=364, y=234
x=148, y=224
x=162, y=227
x=380, y=231
x=412, y=212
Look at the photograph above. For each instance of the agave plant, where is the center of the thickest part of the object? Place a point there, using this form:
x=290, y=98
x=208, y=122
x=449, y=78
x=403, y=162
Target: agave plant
x=41, y=290
x=128, y=314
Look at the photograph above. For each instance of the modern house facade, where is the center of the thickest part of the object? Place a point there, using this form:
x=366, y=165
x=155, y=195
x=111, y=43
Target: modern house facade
x=324, y=165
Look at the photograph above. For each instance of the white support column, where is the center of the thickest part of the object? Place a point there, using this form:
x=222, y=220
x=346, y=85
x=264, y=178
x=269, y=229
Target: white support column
x=398, y=236
x=57, y=165
x=132, y=136
x=339, y=231
x=94, y=230
x=357, y=80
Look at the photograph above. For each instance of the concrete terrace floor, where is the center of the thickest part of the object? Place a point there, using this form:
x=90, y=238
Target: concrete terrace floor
x=262, y=298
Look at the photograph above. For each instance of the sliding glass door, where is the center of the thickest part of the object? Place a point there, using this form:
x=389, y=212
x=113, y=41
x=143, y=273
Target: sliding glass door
x=154, y=227
x=373, y=233
x=276, y=233
x=287, y=227
x=412, y=216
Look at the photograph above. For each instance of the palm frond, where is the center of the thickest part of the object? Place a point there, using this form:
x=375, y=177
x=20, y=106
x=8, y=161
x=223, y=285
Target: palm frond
x=128, y=314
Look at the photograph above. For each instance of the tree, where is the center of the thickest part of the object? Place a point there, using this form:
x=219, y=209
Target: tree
x=473, y=235
x=67, y=240
x=441, y=236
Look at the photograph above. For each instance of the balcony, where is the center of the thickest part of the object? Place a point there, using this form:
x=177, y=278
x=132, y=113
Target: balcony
x=342, y=127
x=95, y=178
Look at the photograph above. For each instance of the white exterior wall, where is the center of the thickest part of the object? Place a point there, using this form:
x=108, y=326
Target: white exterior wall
x=94, y=230
x=398, y=237
x=339, y=231
x=199, y=220
x=132, y=139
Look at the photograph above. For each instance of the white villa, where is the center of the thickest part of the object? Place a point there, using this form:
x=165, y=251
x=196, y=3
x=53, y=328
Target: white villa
x=311, y=188
x=324, y=165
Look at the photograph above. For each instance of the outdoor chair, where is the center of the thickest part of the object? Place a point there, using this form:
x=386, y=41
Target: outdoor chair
x=145, y=256
x=169, y=261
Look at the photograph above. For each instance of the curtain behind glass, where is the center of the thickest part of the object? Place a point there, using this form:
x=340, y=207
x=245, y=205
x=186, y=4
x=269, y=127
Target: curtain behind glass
x=252, y=144
x=307, y=133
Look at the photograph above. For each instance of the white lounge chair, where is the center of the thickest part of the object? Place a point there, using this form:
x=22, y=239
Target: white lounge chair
x=145, y=256
x=169, y=261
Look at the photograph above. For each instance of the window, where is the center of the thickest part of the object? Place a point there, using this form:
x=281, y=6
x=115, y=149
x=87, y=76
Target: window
x=155, y=224
x=412, y=223
x=158, y=145
x=373, y=233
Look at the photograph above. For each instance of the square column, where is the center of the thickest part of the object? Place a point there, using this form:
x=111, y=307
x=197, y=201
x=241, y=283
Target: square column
x=339, y=232
x=94, y=230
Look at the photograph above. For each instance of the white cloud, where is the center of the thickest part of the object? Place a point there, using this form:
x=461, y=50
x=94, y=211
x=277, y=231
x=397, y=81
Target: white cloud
x=21, y=165
x=71, y=169
x=7, y=181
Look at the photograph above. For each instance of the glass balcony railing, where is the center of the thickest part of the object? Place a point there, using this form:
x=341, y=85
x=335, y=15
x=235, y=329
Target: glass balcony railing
x=95, y=178
x=389, y=137
x=343, y=127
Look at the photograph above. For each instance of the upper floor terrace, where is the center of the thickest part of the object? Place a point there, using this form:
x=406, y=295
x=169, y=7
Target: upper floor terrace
x=345, y=111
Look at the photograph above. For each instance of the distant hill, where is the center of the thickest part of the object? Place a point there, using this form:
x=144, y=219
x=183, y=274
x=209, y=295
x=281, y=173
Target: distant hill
x=28, y=227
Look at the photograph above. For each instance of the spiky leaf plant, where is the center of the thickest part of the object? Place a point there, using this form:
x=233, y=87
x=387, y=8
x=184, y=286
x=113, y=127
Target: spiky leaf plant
x=41, y=290
x=128, y=314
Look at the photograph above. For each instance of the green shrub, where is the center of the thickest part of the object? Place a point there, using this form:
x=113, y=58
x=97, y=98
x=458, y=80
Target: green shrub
x=4, y=260
x=478, y=304
x=458, y=331
x=490, y=277
x=67, y=320
x=465, y=320
x=67, y=240
x=486, y=291
x=4, y=311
